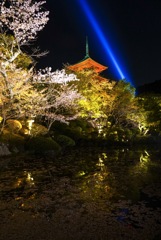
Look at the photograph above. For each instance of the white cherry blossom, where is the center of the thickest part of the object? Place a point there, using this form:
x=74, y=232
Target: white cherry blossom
x=24, y=18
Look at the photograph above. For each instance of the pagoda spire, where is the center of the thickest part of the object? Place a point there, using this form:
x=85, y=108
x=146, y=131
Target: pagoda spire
x=87, y=63
x=87, y=48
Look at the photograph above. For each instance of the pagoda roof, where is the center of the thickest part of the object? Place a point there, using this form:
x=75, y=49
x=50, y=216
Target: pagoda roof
x=88, y=63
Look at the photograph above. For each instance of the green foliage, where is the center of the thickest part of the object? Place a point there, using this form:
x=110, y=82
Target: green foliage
x=72, y=131
x=118, y=134
x=8, y=46
x=24, y=61
x=41, y=144
x=95, y=91
x=123, y=103
x=106, y=103
x=79, y=129
x=151, y=105
x=65, y=141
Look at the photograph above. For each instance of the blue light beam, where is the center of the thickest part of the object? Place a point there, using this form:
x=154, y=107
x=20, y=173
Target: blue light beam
x=100, y=35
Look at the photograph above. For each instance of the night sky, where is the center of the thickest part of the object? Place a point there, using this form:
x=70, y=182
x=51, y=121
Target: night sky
x=132, y=29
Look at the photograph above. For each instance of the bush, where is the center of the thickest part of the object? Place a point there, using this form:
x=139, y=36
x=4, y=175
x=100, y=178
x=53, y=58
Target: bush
x=77, y=130
x=73, y=132
x=42, y=144
x=65, y=141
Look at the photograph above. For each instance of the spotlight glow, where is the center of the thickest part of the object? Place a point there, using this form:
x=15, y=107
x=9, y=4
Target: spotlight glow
x=97, y=29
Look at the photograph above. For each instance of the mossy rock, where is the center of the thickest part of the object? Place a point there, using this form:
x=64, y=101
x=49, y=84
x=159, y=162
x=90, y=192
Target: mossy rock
x=13, y=139
x=38, y=130
x=73, y=133
x=41, y=144
x=65, y=141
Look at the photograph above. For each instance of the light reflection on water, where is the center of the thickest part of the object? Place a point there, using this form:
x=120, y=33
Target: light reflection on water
x=89, y=175
x=120, y=175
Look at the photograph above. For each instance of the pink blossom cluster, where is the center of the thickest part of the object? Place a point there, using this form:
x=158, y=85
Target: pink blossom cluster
x=59, y=76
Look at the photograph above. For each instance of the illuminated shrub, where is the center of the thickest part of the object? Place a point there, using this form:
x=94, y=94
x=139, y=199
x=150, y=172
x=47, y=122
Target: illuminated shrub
x=82, y=129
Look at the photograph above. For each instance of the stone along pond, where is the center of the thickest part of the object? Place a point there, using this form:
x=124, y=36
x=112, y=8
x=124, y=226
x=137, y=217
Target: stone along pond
x=88, y=193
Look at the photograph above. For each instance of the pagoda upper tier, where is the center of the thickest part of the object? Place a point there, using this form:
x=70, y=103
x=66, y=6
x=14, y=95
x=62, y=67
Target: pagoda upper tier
x=87, y=63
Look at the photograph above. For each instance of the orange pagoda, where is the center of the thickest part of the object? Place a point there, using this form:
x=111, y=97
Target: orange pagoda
x=87, y=63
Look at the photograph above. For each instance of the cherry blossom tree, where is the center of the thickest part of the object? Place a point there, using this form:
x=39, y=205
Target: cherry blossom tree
x=62, y=98
x=16, y=89
x=26, y=93
x=47, y=96
x=19, y=99
x=48, y=76
x=24, y=18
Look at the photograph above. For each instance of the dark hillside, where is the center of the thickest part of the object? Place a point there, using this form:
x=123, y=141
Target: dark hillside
x=154, y=87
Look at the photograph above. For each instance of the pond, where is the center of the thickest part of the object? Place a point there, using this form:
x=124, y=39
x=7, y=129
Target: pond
x=87, y=193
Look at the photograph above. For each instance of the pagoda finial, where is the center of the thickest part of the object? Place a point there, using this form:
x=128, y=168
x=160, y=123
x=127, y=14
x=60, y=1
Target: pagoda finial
x=87, y=48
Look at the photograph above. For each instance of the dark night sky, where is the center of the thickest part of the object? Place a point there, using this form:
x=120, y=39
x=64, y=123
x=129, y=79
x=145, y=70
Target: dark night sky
x=133, y=30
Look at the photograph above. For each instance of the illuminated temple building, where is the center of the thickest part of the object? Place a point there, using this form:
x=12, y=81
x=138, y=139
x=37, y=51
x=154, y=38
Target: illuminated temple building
x=89, y=63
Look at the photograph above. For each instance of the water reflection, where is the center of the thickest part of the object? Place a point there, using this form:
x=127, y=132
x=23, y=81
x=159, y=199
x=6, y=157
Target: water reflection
x=144, y=157
x=95, y=184
x=145, y=171
x=120, y=175
x=91, y=175
x=24, y=180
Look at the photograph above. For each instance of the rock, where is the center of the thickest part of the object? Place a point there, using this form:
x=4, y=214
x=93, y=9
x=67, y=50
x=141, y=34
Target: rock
x=14, y=125
x=4, y=151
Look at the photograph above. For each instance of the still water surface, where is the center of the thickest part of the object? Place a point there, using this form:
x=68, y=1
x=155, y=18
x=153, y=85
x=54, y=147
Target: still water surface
x=124, y=183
